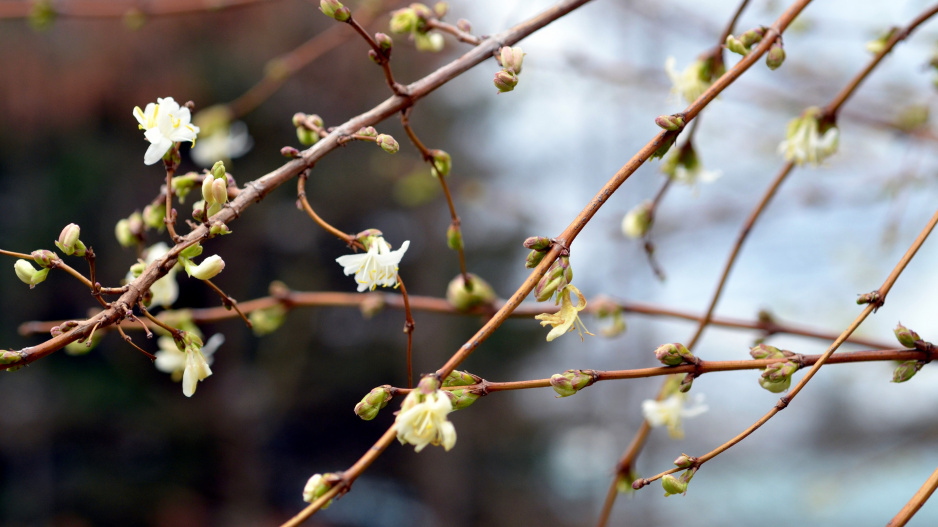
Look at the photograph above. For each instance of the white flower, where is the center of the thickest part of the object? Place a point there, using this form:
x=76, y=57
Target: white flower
x=377, y=266
x=172, y=361
x=689, y=83
x=224, y=144
x=804, y=143
x=163, y=124
x=165, y=290
x=196, y=370
x=690, y=176
x=422, y=420
x=208, y=269
x=670, y=411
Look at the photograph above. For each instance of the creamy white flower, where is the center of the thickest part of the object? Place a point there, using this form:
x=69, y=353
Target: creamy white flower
x=172, y=361
x=672, y=410
x=377, y=266
x=804, y=142
x=689, y=83
x=164, y=123
x=422, y=420
x=310, y=488
x=165, y=290
x=224, y=144
x=196, y=370
x=208, y=269
x=637, y=221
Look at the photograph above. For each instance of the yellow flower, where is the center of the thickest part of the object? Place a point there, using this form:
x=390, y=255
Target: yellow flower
x=568, y=317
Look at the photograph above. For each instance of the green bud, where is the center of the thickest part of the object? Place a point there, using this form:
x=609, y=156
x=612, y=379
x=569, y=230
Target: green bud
x=191, y=251
x=868, y=298
x=368, y=408
x=428, y=385
x=198, y=211
x=218, y=170
x=267, y=320
x=384, y=43
x=219, y=229
x=461, y=398
x=686, y=383
x=334, y=9
x=9, y=357
x=461, y=378
x=404, y=20
x=685, y=461
x=28, y=274
x=387, y=143
x=442, y=163
x=42, y=15
x=571, y=381
x=637, y=221
x=753, y=36
x=306, y=136
x=673, y=354
x=153, y=216
x=505, y=81
x=464, y=25
x=736, y=46
x=440, y=9
x=906, y=370
x=68, y=241
x=906, y=336
x=318, y=485
x=183, y=184
x=764, y=351
x=463, y=298
x=671, y=123
x=368, y=131
x=776, y=377
x=664, y=146
x=125, y=237
x=432, y=42
x=454, y=238
x=44, y=258
x=538, y=243
x=289, y=152
x=137, y=269
x=534, y=258
x=776, y=56
x=672, y=485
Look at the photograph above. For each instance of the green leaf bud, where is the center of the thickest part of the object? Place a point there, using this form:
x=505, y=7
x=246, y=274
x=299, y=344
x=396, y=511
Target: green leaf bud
x=335, y=9
x=440, y=9
x=9, y=357
x=671, y=123
x=153, y=216
x=43, y=258
x=906, y=336
x=464, y=298
x=385, y=43
x=736, y=46
x=266, y=321
x=368, y=408
x=571, y=381
x=534, y=258
x=906, y=370
x=461, y=378
x=776, y=56
x=306, y=136
x=387, y=143
x=538, y=243
x=28, y=274
x=672, y=485
x=461, y=398
x=442, y=163
x=673, y=354
x=454, y=237
x=505, y=81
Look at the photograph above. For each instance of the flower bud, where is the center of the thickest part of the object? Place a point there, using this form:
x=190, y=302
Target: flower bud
x=638, y=220
x=289, y=152
x=671, y=123
x=43, y=258
x=906, y=336
x=461, y=398
x=868, y=298
x=266, y=321
x=207, y=194
x=318, y=485
x=511, y=59
x=534, y=258
x=685, y=461
x=428, y=385
x=454, y=237
x=219, y=190
x=686, y=383
x=776, y=56
x=198, y=211
x=776, y=377
x=764, y=351
x=138, y=268
x=384, y=43
x=125, y=237
x=556, y=278
x=153, y=216
x=387, y=143
x=442, y=163
x=28, y=274
x=219, y=229
x=464, y=25
x=68, y=240
x=218, y=170
x=538, y=243
x=192, y=251
x=368, y=131
x=673, y=354
x=736, y=46
x=672, y=485
x=461, y=378
x=440, y=9
x=306, y=136
x=208, y=269
x=9, y=357
x=753, y=36
x=372, y=403
x=334, y=9
x=463, y=298
x=505, y=81
x=432, y=42
x=570, y=382
x=906, y=370
x=404, y=20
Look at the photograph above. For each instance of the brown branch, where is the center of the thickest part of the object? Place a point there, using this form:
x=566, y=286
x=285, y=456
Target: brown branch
x=120, y=9
x=914, y=504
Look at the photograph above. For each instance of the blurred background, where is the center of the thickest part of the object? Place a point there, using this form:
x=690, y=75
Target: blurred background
x=106, y=439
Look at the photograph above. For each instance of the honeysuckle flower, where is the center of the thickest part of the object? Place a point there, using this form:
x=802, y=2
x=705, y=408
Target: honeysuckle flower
x=690, y=83
x=683, y=166
x=170, y=359
x=422, y=418
x=165, y=290
x=28, y=274
x=208, y=269
x=318, y=485
x=377, y=266
x=223, y=144
x=164, y=123
x=805, y=142
x=672, y=410
x=568, y=317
